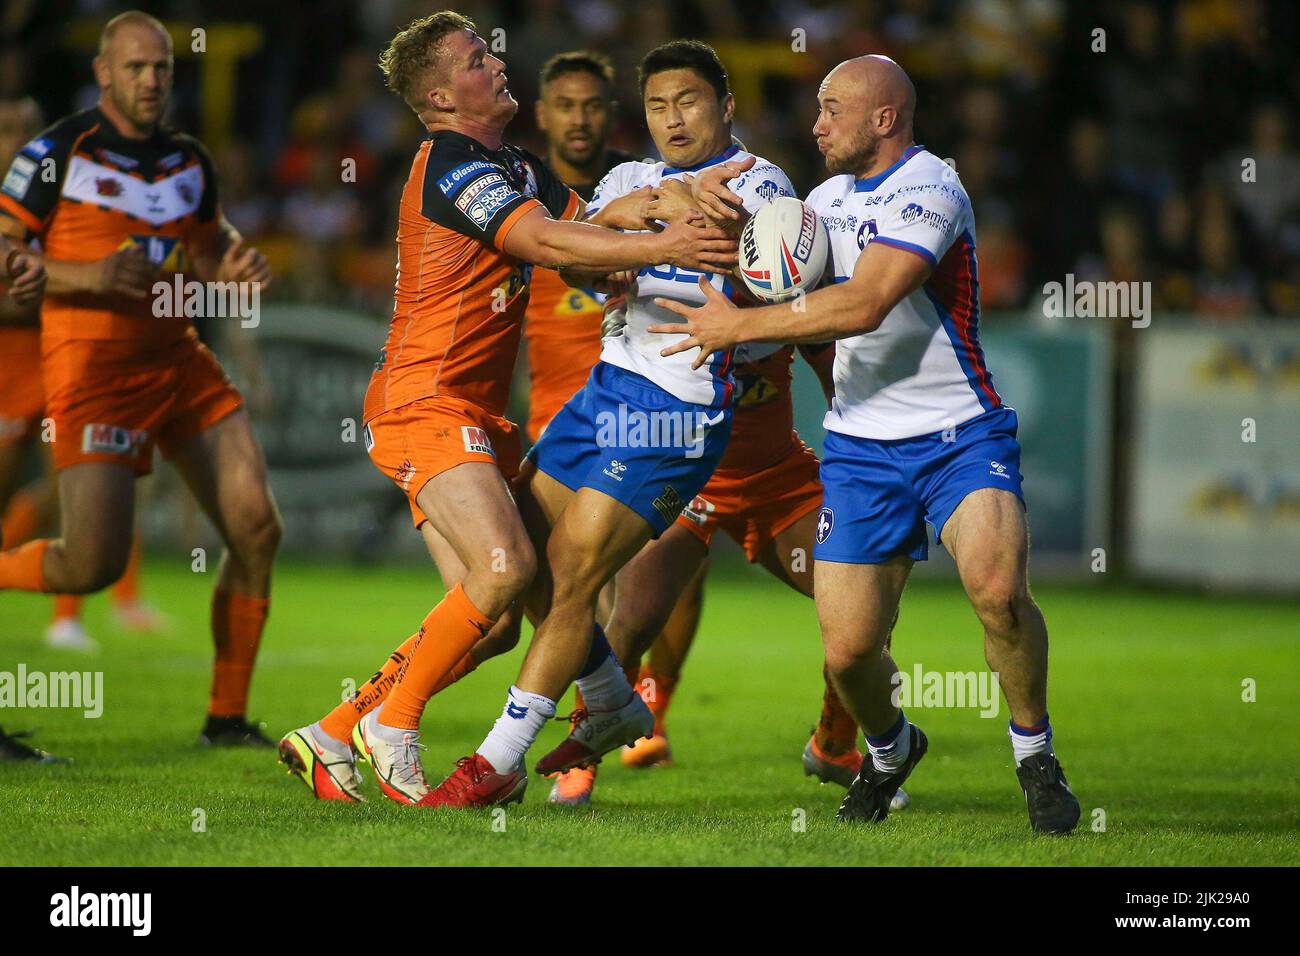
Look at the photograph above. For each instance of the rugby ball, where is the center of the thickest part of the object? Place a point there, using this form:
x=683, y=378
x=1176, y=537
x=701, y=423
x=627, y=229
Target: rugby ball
x=783, y=250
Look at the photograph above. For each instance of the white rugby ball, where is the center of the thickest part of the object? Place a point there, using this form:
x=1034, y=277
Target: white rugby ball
x=783, y=250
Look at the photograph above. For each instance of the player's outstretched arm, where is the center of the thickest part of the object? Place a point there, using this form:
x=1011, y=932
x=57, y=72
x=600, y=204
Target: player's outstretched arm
x=562, y=244
x=883, y=276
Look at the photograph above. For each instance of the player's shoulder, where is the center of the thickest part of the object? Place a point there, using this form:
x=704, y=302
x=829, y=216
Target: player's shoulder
x=925, y=176
x=837, y=187
x=629, y=175
x=60, y=137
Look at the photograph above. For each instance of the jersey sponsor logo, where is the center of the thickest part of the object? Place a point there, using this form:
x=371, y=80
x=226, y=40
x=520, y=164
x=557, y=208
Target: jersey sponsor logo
x=768, y=190
x=38, y=147
x=112, y=439
x=825, y=524
x=454, y=180
x=475, y=189
x=484, y=210
x=107, y=186
x=369, y=438
x=117, y=159
x=476, y=440
x=698, y=511
x=910, y=212
x=19, y=178
x=669, y=504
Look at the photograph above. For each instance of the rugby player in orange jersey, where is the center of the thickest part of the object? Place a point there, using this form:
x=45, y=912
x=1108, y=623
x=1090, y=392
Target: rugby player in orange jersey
x=474, y=214
x=33, y=508
x=562, y=323
x=118, y=202
x=22, y=281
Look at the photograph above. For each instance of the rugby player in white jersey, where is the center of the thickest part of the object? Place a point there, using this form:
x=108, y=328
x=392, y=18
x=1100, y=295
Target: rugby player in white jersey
x=917, y=431
x=617, y=465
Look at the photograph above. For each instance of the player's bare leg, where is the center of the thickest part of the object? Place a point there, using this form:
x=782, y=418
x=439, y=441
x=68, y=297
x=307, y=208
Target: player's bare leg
x=988, y=536
x=593, y=535
x=226, y=472
x=857, y=605
x=831, y=753
x=98, y=508
x=658, y=678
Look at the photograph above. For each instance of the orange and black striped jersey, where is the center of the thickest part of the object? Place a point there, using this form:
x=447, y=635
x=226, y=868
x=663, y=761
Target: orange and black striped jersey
x=762, y=430
x=86, y=191
x=460, y=298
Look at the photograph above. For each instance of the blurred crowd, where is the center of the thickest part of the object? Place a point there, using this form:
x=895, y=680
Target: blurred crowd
x=1140, y=141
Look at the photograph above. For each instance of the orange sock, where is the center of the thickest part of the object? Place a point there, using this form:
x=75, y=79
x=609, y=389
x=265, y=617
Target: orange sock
x=462, y=667
x=126, y=591
x=656, y=690
x=446, y=635
x=22, y=519
x=66, y=605
x=338, y=723
x=23, y=568
x=837, y=731
x=237, y=622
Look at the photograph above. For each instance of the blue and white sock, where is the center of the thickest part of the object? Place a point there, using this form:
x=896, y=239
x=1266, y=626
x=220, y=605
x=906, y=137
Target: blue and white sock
x=521, y=720
x=889, y=751
x=603, y=684
x=1027, y=741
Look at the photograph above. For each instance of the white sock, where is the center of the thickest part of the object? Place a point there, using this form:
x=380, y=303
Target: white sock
x=606, y=688
x=889, y=751
x=1027, y=741
x=521, y=720
x=336, y=747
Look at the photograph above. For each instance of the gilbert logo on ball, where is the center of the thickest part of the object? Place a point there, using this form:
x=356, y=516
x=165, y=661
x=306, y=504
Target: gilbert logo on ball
x=783, y=250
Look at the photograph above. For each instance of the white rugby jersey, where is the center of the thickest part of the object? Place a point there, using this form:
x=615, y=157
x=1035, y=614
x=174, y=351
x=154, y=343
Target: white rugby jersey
x=923, y=370
x=636, y=349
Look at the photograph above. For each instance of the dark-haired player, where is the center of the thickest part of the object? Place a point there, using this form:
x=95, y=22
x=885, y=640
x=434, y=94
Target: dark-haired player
x=118, y=201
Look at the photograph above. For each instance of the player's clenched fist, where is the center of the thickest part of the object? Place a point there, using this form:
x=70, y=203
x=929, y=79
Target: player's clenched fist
x=691, y=244
x=127, y=272
x=26, y=277
x=243, y=264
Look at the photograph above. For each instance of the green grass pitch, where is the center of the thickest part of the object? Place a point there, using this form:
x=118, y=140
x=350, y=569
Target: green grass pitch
x=1146, y=701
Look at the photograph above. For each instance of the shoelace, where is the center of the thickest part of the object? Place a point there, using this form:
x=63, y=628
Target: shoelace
x=575, y=718
x=410, y=771
x=463, y=778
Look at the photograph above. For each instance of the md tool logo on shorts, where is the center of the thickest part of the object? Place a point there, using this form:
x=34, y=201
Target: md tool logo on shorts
x=112, y=439
x=476, y=440
x=825, y=524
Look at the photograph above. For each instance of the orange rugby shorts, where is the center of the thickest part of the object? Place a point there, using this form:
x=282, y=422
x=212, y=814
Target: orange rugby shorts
x=424, y=438
x=754, y=507
x=110, y=403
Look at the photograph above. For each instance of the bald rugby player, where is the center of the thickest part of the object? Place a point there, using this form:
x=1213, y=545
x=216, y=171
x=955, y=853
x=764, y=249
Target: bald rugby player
x=917, y=431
